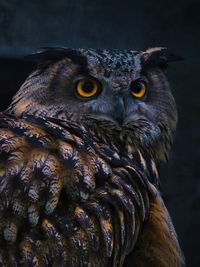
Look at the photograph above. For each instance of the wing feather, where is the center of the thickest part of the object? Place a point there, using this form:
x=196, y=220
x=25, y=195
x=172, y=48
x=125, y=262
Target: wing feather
x=64, y=198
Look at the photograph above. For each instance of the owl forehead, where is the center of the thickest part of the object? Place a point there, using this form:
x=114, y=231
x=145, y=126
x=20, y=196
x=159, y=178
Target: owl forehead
x=110, y=63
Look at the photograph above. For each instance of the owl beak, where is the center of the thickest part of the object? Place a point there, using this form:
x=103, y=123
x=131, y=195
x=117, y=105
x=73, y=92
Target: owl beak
x=115, y=113
x=119, y=112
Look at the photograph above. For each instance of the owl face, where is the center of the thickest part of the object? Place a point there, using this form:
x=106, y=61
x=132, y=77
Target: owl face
x=115, y=91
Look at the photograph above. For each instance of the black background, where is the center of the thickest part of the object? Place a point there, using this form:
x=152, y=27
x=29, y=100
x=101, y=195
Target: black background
x=28, y=25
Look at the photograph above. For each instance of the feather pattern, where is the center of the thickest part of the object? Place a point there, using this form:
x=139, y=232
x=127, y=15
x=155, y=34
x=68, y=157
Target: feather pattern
x=50, y=188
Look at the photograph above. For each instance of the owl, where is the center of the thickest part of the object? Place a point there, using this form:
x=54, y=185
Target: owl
x=80, y=146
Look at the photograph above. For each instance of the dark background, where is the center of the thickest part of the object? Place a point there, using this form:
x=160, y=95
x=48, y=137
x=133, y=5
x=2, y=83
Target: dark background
x=28, y=25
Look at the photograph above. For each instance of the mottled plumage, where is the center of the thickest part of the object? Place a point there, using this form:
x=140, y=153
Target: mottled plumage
x=79, y=184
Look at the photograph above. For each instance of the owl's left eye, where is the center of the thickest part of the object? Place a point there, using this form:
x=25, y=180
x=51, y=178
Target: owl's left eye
x=138, y=88
x=87, y=87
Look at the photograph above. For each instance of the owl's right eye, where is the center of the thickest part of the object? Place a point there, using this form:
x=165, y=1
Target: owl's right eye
x=87, y=87
x=138, y=88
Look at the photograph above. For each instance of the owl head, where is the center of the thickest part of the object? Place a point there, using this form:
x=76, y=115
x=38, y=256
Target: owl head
x=112, y=92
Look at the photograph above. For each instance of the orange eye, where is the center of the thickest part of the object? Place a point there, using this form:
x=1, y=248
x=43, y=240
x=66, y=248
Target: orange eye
x=87, y=87
x=138, y=88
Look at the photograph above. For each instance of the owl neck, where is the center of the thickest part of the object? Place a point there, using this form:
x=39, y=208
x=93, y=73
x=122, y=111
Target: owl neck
x=123, y=151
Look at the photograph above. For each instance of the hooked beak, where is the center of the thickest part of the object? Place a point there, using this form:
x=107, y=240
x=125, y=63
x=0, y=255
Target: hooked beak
x=119, y=112
x=116, y=113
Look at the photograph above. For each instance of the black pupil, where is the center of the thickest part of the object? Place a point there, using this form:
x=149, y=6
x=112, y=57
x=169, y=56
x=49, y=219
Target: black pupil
x=136, y=87
x=87, y=86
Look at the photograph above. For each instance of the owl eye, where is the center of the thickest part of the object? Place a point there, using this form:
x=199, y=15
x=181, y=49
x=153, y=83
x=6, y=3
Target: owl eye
x=87, y=87
x=138, y=88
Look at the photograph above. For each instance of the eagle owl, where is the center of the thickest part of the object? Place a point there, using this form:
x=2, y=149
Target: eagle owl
x=80, y=144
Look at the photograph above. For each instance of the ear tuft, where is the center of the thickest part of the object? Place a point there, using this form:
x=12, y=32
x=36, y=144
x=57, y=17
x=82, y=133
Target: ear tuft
x=158, y=56
x=54, y=54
